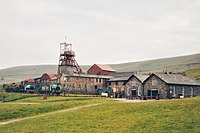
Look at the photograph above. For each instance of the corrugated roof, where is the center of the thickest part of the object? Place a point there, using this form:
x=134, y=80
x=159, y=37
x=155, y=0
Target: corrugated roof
x=105, y=67
x=177, y=79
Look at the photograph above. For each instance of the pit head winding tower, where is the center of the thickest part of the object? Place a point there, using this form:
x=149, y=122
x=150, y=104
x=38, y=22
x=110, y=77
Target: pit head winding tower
x=67, y=62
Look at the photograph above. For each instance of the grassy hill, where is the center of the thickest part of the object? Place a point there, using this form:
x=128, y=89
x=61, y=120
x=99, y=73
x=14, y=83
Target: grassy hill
x=173, y=64
x=195, y=72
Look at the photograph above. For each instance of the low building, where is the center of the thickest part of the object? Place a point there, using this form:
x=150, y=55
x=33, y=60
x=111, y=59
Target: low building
x=170, y=86
x=134, y=86
x=116, y=83
x=98, y=69
x=83, y=83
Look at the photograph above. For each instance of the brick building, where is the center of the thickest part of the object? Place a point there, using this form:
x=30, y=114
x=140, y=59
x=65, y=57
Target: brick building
x=84, y=83
x=98, y=69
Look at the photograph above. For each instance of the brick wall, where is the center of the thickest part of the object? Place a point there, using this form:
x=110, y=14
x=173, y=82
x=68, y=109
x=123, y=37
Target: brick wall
x=83, y=85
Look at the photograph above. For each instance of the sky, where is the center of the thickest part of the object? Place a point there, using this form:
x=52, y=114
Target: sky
x=101, y=31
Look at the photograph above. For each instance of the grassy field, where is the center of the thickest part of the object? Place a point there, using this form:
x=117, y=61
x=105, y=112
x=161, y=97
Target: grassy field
x=195, y=73
x=36, y=105
x=181, y=115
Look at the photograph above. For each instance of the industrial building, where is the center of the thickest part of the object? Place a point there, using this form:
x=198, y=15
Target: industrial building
x=102, y=78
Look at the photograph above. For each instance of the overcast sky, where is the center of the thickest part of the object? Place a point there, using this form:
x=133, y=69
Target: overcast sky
x=101, y=31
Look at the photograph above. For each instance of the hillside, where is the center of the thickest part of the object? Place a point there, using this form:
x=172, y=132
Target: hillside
x=195, y=72
x=175, y=64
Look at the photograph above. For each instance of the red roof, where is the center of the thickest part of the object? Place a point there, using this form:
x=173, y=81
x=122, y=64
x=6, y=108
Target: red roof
x=30, y=80
x=53, y=76
x=49, y=76
x=105, y=68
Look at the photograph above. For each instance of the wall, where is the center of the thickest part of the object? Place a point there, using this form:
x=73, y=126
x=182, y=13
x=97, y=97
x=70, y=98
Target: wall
x=185, y=90
x=95, y=70
x=119, y=86
x=136, y=84
x=83, y=85
x=154, y=82
x=170, y=90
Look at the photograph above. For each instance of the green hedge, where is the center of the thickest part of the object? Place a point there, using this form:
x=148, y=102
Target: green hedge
x=8, y=97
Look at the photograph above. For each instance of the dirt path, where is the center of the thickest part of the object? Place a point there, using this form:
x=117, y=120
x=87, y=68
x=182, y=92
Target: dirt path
x=49, y=113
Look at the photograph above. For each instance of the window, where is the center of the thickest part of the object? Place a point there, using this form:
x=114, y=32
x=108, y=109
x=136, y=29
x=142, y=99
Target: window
x=116, y=83
x=96, y=79
x=100, y=80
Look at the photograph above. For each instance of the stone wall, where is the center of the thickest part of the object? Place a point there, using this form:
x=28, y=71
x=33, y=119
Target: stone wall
x=184, y=90
x=136, y=84
x=155, y=83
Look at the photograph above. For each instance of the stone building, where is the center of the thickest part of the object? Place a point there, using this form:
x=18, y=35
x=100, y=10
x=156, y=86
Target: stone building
x=170, y=86
x=116, y=83
x=134, y=86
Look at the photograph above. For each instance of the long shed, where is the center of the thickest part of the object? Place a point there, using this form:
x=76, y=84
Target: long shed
x=170, y=86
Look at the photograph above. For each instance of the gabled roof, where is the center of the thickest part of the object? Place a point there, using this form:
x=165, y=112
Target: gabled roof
x=140, y=77
x=30, y=80
x=49, y=76
x=121, y=76
x=105, y=67
x=177, y=79
x=53, y=76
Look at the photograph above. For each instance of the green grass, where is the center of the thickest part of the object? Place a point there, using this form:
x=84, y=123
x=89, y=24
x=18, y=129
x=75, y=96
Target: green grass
x=181, y=115
x=36, y=105
x=195, y=73
x=7, y=97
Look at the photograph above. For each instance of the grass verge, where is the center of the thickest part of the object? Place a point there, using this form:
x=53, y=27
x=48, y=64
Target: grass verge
x=113, y=116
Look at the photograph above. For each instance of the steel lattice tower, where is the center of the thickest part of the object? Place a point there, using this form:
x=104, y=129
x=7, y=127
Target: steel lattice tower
x=67, y=62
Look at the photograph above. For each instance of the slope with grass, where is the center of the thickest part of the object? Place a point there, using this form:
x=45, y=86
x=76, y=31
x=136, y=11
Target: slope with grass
x=181, y=115
x=36, y=105
x=175, y=64
x=195, y=72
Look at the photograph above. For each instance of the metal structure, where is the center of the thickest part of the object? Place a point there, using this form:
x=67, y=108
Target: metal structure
x=67, y=62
